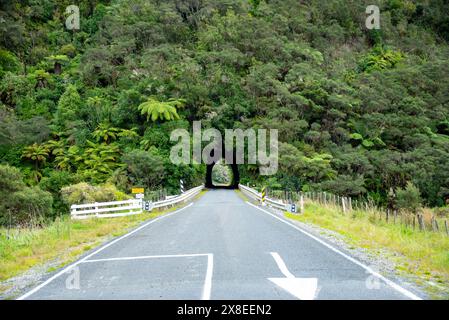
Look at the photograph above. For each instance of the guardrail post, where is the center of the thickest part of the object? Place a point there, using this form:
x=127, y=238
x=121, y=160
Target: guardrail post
x=264, y=193
x=96, y=209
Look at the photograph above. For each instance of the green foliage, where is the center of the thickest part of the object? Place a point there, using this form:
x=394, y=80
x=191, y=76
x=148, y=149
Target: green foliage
x=408, y=198
x=19, y=204
x=53, y=181
x=221, y=174
x=10, y=180
x=355, y=115
x=156, y=110
x=85, y=193
x=69, y=106
x=67, y=159
x=8, y=62
x=99, y=161
x=144, y=168
x=350, y=186
x=36, y=153
x=380, y=59
x=105, y=133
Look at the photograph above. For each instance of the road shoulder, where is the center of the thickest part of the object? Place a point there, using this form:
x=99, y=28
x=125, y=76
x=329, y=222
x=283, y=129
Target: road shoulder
x=381, y=260
x=75, y=250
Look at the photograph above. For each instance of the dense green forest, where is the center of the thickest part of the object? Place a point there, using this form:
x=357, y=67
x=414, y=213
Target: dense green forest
x=359, y=112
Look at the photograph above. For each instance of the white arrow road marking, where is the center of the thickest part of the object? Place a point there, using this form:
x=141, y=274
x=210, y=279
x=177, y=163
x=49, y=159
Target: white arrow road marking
x=302, y=288
x=393, y=285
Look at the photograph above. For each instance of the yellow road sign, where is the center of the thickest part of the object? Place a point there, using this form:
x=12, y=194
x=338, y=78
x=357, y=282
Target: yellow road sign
x=138, y=190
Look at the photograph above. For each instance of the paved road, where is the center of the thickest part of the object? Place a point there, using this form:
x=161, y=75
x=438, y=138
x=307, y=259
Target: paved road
x=220, y=247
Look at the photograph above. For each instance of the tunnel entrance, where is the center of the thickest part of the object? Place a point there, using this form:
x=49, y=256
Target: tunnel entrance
x=211, y=163
x=222, y=176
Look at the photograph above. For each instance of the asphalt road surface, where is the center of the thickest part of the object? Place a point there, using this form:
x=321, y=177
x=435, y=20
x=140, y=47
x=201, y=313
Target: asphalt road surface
x=219, y=247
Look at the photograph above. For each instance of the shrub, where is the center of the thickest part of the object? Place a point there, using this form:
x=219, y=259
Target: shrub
x=68, y=50
x=19, y=204
x=85, y=193
x=409, y=198
x=29, y=206
x=8, y=62
x=379, y=59
x=144, y=168
x=442, y=212
x=10, y=181
x=53, y=182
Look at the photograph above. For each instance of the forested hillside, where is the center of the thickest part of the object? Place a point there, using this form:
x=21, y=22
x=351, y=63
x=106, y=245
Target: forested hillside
x=359, y=112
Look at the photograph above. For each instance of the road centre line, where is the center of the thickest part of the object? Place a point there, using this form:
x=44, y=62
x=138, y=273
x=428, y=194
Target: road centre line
x=393, y=285
x=208, y=281
x=68, y=268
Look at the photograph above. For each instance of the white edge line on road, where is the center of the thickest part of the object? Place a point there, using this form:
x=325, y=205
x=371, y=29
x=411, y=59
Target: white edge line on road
x=208, y=280
x=43, y=284
x=281, y=265
x=368, y=269
x=147, y=257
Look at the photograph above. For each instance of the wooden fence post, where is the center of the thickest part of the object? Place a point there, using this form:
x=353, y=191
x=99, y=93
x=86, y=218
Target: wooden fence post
x=434, y=224
x=343, y=204
x=421, y=222
x=386, y=215
x=301, y=204
x=447, y=229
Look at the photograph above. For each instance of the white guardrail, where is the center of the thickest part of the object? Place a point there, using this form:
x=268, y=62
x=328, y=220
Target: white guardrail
x=127, y=207
x=253, y=194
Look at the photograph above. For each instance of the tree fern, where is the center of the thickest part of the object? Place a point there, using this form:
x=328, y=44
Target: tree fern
x=164, y=111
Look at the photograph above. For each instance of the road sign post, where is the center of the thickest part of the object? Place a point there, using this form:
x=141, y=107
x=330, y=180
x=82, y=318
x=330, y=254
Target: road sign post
x=138, y=192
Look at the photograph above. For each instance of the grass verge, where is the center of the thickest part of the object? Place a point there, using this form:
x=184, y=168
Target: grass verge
x=62, y=241
x=422, y=254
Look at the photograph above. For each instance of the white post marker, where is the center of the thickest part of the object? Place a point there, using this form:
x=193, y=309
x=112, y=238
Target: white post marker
x=301, y=288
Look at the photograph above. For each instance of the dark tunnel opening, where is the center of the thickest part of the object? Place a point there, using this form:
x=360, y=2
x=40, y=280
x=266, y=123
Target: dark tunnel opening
x=234, y=183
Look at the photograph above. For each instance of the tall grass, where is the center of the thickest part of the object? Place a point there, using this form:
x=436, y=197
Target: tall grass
x=62, y=241
x=424, y=254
